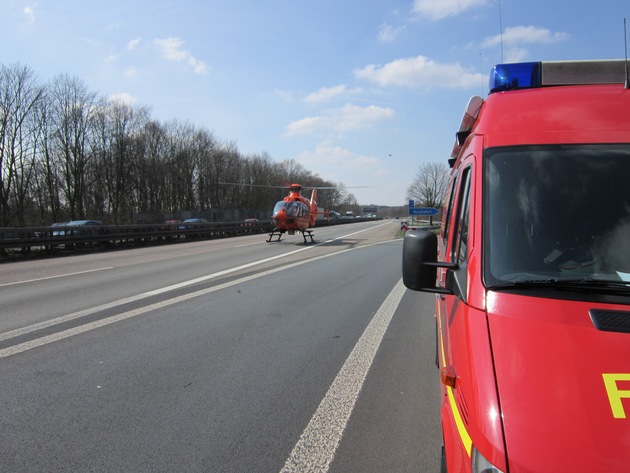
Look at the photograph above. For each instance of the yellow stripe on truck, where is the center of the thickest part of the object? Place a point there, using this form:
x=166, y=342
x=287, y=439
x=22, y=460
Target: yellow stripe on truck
x=459, y=422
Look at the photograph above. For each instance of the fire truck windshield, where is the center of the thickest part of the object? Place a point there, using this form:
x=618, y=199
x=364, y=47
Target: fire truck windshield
x=557, y=213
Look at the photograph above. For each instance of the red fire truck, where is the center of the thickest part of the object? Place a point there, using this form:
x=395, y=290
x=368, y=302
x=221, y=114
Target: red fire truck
x=531, y=271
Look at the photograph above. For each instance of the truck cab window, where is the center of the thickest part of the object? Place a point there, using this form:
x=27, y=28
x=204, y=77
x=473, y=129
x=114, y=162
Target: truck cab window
x=462, y=252
x=450, y=198
x=460, y=243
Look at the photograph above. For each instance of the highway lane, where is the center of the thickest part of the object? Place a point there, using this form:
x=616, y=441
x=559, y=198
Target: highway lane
x=217, y=356
x=31, y=289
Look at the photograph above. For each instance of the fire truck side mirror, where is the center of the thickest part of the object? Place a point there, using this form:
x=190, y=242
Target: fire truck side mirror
x=419, y=262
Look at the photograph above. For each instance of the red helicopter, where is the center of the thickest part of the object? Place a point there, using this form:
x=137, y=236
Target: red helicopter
x=295, y=213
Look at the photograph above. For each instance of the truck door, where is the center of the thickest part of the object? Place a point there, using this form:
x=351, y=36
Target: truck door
x=452, y=312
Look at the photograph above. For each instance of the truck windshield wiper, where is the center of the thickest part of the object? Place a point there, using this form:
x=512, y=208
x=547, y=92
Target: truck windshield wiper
x=557, y=283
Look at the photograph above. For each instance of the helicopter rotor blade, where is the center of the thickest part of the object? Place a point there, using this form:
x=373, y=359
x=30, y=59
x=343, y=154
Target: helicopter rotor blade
x=288, y=186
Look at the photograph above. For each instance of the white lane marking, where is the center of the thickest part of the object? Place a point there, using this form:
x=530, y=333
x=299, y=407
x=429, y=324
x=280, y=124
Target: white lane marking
x=56, y=276
x=324, y=242
x=129, y=314
x=119, y=302
x=21, y=347
x=318, y=443
x=360, y=231
x=82, y=313
x=249, y=244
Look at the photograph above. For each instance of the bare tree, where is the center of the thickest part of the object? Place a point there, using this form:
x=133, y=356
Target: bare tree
x=204, y=146
x=151, y=168
x=119, y=125
x=333, y=198
x=260, y=179
x=73, y=108
x=429, y=186
x=290, y=171
x=226, y=164
x=350, y=203
x=20, y=97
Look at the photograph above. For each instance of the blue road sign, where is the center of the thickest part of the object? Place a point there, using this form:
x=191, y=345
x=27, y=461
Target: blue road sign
x=428, y=211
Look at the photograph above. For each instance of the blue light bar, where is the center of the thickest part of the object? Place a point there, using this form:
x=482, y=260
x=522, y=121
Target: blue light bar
x=527, y=75
x=522, y=75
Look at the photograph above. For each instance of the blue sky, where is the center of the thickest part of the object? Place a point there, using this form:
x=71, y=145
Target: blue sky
x=359, y=92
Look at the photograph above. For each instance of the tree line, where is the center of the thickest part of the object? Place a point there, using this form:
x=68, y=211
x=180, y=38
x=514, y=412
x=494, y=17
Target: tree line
x=67, y=153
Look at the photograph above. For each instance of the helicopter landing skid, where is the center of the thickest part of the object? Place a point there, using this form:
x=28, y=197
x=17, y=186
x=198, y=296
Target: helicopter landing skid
x=308, y=233
x=275, y=233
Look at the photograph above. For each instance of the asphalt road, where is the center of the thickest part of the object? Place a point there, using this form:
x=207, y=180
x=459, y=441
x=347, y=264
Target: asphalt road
x=231, y=355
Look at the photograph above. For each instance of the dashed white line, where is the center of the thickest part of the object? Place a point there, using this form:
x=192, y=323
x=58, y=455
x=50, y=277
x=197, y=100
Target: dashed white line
x=92, y=310
x=55, y=276
x=21, y=347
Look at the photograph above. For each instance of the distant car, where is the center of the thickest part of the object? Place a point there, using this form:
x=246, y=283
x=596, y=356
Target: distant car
x=173, y=221
x=190, y=223
x=250, y=222
x=195, y=220
x=74, y=223
x=84, y=223
x=56, y=225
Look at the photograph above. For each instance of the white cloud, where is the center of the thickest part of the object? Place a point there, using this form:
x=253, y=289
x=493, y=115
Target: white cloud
x=304, y=126
x=440, y=9
x=419, y=72
x=123, y=97
x=524, y=35
x=326, y=94
x=198, y=66
x=133, y=44
x=514, y=55
x=113, y=26
x=388, y=33
x=284, y=95
x=131, y=72
x=326, y=154
x=513, y=39
x=29, y=13
x=340, y=120
x=371, y=174
x=171, y=51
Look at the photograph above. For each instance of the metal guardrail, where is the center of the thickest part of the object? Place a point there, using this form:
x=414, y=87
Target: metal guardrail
x=14, y=238
x=51, y=239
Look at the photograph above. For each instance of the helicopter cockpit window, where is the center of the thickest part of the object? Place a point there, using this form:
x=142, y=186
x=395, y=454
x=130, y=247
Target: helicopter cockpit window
x=279, y=206
x=292, y=209
x=295, y=209
x=557, y=212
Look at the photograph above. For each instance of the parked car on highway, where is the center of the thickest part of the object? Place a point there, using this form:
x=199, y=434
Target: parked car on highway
x=58, y=224
x=191, y=223
x=195, y=220
x=74, y=223
x=84, y=223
